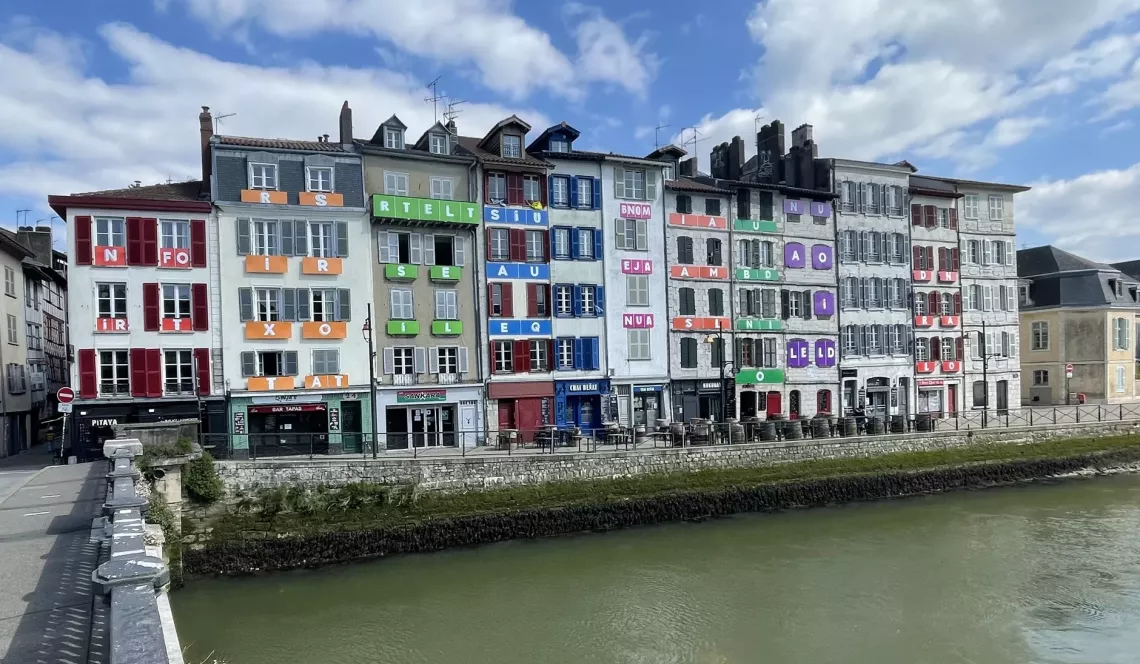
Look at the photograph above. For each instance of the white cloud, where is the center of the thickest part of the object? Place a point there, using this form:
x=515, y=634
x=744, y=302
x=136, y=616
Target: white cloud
x=511, y=55
x=1063, y=209
x=69, y=131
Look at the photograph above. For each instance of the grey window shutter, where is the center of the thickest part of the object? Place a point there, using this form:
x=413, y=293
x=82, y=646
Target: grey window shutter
x=342, y=239
x=433, y=361
x=343, y=304
x=332, y=358
x=289, y=304
x=420, y=359
x=861, y=339
x=382, y=253
x=245, y=304
x=243, y=236
x=415, y=248
x=650, y=184
x=286, y=237
x=300, y=237
x=248, y=363
x=389, y=360
x=429, y=250
x=619, y=227
x=807, y=305
x=460, y=250
x=304, y=312
x=290, y=362
x=463, y=368
x=619, y=182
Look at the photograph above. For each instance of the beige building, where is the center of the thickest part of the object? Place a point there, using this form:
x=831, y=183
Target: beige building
x=16, y=393
x=1079, y=312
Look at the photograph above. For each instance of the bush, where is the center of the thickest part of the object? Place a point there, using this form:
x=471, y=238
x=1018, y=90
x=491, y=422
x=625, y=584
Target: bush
x=201, y=480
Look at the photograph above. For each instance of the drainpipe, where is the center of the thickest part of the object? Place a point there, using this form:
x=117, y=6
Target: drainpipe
x=477, y=250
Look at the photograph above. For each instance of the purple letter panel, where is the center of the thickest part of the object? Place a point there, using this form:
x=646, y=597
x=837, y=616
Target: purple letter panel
x=794, y=255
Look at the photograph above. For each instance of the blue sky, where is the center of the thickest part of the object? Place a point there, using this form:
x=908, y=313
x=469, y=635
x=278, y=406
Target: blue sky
x=1038, y=92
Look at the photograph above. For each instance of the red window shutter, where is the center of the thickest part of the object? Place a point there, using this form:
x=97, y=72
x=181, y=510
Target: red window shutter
x=200, y=307
x=942, y=261
x=492, y=356
x=935, y=349
x=489, y=246
x=550, y=354
x=487, y=188
x=88, y=383
x=957, y=304
x=83, y=246
x=532, y=299
x=198, y=243
x=134, y=241
x=917, y=251
x=152, y=310
x=935, y=303
x=522, y=356
x=514, y=189
x=546, y=299
x=961, y=349
x=153, y=372
x=508, y=292
x=543, y=188
x=930, y=258
x=954, y=255
x=953, y=218
x=518, y=244
x=931, y=304
x=202, y=355
x=138, y=372
x=150, y=241
x=916, y=215
x=546, y=242
x=931, y=216
x=490, y=299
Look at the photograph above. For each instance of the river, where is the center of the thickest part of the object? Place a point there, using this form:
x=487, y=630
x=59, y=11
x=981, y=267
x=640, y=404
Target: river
x=1041, y=573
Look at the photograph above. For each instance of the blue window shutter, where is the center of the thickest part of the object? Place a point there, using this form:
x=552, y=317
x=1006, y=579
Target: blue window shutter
x=575, y=251
x=553, y=254
x=600, y=300
x=597, y=245
x=573, y=198
x=550, y=188
x=576, y=300
x=578, y=361
x=595, y=353
x=597, y=193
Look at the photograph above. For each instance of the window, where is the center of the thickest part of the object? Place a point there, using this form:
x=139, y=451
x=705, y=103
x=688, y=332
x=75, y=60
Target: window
x=109, y=233
x=538, y=355
x=894, y=200
x=922, y=350
x=1117, y=287
x=1023, y=295
x=322, y=239
x=795, y=304
x=1040, y=377
x=712, y=251
x=512, y=146
x=393, y=138
x=320, y=178
x=898, y=333
x=561, y=242
x=588, y=298
x=559, y=145
x=174, y=233
x=685, y=250
x=667, y=172
x=112, y=300
x=847, y=246
x=873, y=198
x=979, y=394
x=532, y=188
x=716, y=302
x=538, y=294
x=898, y=253
x=971, y=206
x=586, y=193
x=684, y=204
x=949, y=350
x=563, y=295
x=179, y=371
x=920, y=304
x=442, y=188
x=757, y=253
x=898, y=294
x=688, y=353
x=395, y=184
x=847, y=196
x=1120, y=379
x=565, y=353
x=712, y=206
x=498, y=294
x=637, y=290
x=324, y=304
x=850, y=348
x=847, y=297
x=943, y=218
x=874, y=340
x=497, y=187
x=504, y=357
x=263, y=176
x=634, y=183
x=265, y=237
x=632, y=234
x=999, y=252
x=996, y=208
x=447, y=357
x=560, y=191
x=176, y=300
x=687, y=305
x=535, y=247
x=437, y=143
x=35, y=336
x=639, y=344
x=446, y=305
x=13, y=330
x=586, y=244
x=403, y=361
x=874, y=293
x=500, y=244
x=114, y=373
x=974, y=298
x=326, y=361
x=402, y=306
x=1120, y=334
x=973, y=254
x=873, y=247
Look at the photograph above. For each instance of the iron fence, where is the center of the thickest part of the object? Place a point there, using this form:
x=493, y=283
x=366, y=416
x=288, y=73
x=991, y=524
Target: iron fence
x=555, y=440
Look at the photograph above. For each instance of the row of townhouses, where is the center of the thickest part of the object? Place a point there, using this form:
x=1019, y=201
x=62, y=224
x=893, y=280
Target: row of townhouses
x=435, y=287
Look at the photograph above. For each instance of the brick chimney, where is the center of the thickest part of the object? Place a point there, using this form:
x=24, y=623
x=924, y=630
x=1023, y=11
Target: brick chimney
x=687, y=168
x=206, y=124
x=345, y=125
x=38, y=240
x=735, y=158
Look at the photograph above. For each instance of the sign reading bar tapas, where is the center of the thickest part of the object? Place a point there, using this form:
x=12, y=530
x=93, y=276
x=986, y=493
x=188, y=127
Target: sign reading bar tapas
x=292, y=408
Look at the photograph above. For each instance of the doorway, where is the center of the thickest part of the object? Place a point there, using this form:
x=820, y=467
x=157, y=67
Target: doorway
x=1003, y=397
x=904, y=397
x=775, y=403
x=952, y=399
x=351, y=426
x=506, y=415
x=748, y=404
x=794, y=404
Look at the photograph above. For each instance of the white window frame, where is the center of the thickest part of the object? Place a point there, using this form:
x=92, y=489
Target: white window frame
x=970, y=206
x=402, y=304
x=1040, y=378
x=563, y=299
x=587, y=301
x=500, y=239
x=497, y=186
x=264, y=239
x=532, y=188
x=13, y=330
x=177, y=295
x=637, y=290
x=113, y=299
x=634, y=183
x=996, y=205
x=267, y=304
x=1120, y=333
x=437, y=143
x=561, y=235
x=403, y=360
x=510, y=146
x=183, y=365
x=446, y=304
x=559, y=145
x=559, y=191
x=395, y=183
x=322, y=239
x=447, y=360
x=539, y=350
x=586, y=243
x=564, y=353
x=393, y=138
x=323, y=299
x=442, y=188
x=586, y=197
x=640, y=234
x=639, y=344
x=110, y=232
x=263, y=176
x=174, y=233
x=315, y=181
x=504, y=357
x=1120, y=379
x=121, y=373
x=535, y=247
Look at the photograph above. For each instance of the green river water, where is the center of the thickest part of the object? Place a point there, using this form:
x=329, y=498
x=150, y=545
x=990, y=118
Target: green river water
x=1041, y=573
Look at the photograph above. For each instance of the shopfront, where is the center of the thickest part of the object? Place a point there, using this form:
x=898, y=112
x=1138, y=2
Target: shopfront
x=698, y=399
x=647, y=405
x=579, y=403
x=430, y=417
x=301, y=424
x=759, y=392
x=938, y=397
x=92, y=422
x=526, y=407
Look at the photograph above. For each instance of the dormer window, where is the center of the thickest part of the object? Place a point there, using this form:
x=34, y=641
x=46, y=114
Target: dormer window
x=667, y=172
x=1117, y=287
x=438, y=144
x=320, y=178
x=263, y=176
x=559, y=145
x=512, y=146
x=393, y=138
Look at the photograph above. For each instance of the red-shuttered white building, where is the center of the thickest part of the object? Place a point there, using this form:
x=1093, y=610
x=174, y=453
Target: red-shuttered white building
x=142, y=310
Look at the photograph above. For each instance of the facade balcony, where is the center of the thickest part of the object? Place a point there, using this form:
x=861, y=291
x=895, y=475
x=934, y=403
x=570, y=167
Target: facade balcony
x=401, y=272
x=949, y=321
x=924, y=321
x=448, y=378
x=925, y=367
x=951, y=366
x=921, y=276
x=406, y=379
x=947, y=276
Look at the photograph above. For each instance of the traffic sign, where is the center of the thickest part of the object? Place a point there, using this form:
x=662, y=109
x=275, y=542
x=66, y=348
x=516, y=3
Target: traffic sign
x=1068, y=371
x=65, y=406
x=65, y=395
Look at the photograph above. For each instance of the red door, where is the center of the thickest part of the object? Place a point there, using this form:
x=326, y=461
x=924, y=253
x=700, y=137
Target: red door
x=506, y=414
x=774, y=405
x=529, y=418
x=952, y=399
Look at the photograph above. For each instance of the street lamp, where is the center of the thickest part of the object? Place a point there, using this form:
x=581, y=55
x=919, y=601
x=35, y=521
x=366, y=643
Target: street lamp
x=366, y=330
x=717, y=340
x=986, y=355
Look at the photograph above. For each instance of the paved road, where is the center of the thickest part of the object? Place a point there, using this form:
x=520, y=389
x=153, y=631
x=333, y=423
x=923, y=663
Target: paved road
x=46, y=559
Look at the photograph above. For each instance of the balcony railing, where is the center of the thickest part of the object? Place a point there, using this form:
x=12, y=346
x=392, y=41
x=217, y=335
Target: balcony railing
x=406, y=379
x=448, y=378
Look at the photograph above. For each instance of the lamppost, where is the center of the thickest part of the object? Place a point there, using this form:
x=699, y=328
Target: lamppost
x=367, y=331
x=986, y=355
x=717, y=341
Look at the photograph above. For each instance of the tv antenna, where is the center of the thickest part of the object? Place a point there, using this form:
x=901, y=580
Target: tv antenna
x=218, y=119
x=450, y=114
x=435, y=97
x=756, y=123
x=22, y=213
x=692, y=141
x=657, y=134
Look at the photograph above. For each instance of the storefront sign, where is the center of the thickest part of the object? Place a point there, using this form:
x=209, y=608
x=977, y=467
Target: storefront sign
x=420, y=396
x=709, y=386
x=515, y=216
x=334, y=419
x=445, y=273
x=848, y=373
x=586, y=387
x=825, y=353
x=403, y=328
x=923, y=321
x=266, y=264
x=174, y=258
x=759, y=324
x=109, y=256
x=317, y=382
x=635, y=210
x=823, y=303
x=641, y=389
x=754, y=226
x=267, y=383
x=176, y=325
x=636, y=321
x=757, y=274
x=269, y=197
x=401, y=272
x=321, y=265
x=268, y=330
x=290, y=398
x=636, y=266
x=822, y=257
x=798, y=356
x=111, y=325
x=690, y=323
x=424, y=209
x=756, y=376
x=699, y=221
x=794, y=255
x=698, y=272
x=320, y=199
x=324, y=330
x=520, y=328
x=930, y=383
x=292, y=408
x=446, y=328
x=925, y=367
x=530, y=271
x=239, y=422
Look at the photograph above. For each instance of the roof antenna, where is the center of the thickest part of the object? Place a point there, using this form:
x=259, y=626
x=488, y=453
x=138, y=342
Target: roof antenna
x=756, y=123
x=692, y=141
x=218, y=120
x=451, y=112
x=435, y=98
x=657, y=134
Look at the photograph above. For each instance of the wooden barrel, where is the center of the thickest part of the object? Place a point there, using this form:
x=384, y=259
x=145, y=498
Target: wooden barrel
x=848, y=427
x=898, y=424
x=821, y=427
x=924, y=422
x=805, y=426
x=767, y=430
x=793, y=430
x=875, y=425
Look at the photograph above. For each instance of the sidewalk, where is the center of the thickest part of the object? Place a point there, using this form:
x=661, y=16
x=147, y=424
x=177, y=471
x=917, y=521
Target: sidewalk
x=46, y=558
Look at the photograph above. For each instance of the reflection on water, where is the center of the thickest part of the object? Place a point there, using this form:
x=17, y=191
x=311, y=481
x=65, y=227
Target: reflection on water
x=1047, y=573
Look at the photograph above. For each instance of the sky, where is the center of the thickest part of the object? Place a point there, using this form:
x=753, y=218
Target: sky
x=1044, y=93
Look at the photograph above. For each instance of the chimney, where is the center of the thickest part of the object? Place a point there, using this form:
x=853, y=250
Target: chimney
x=687, y=168
x=801, y=136
x=38, y=240
x=736, y=158
x=770, y=152
x=206, y=125
x=345, y=124
x=450, y=127
x=717, y=161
